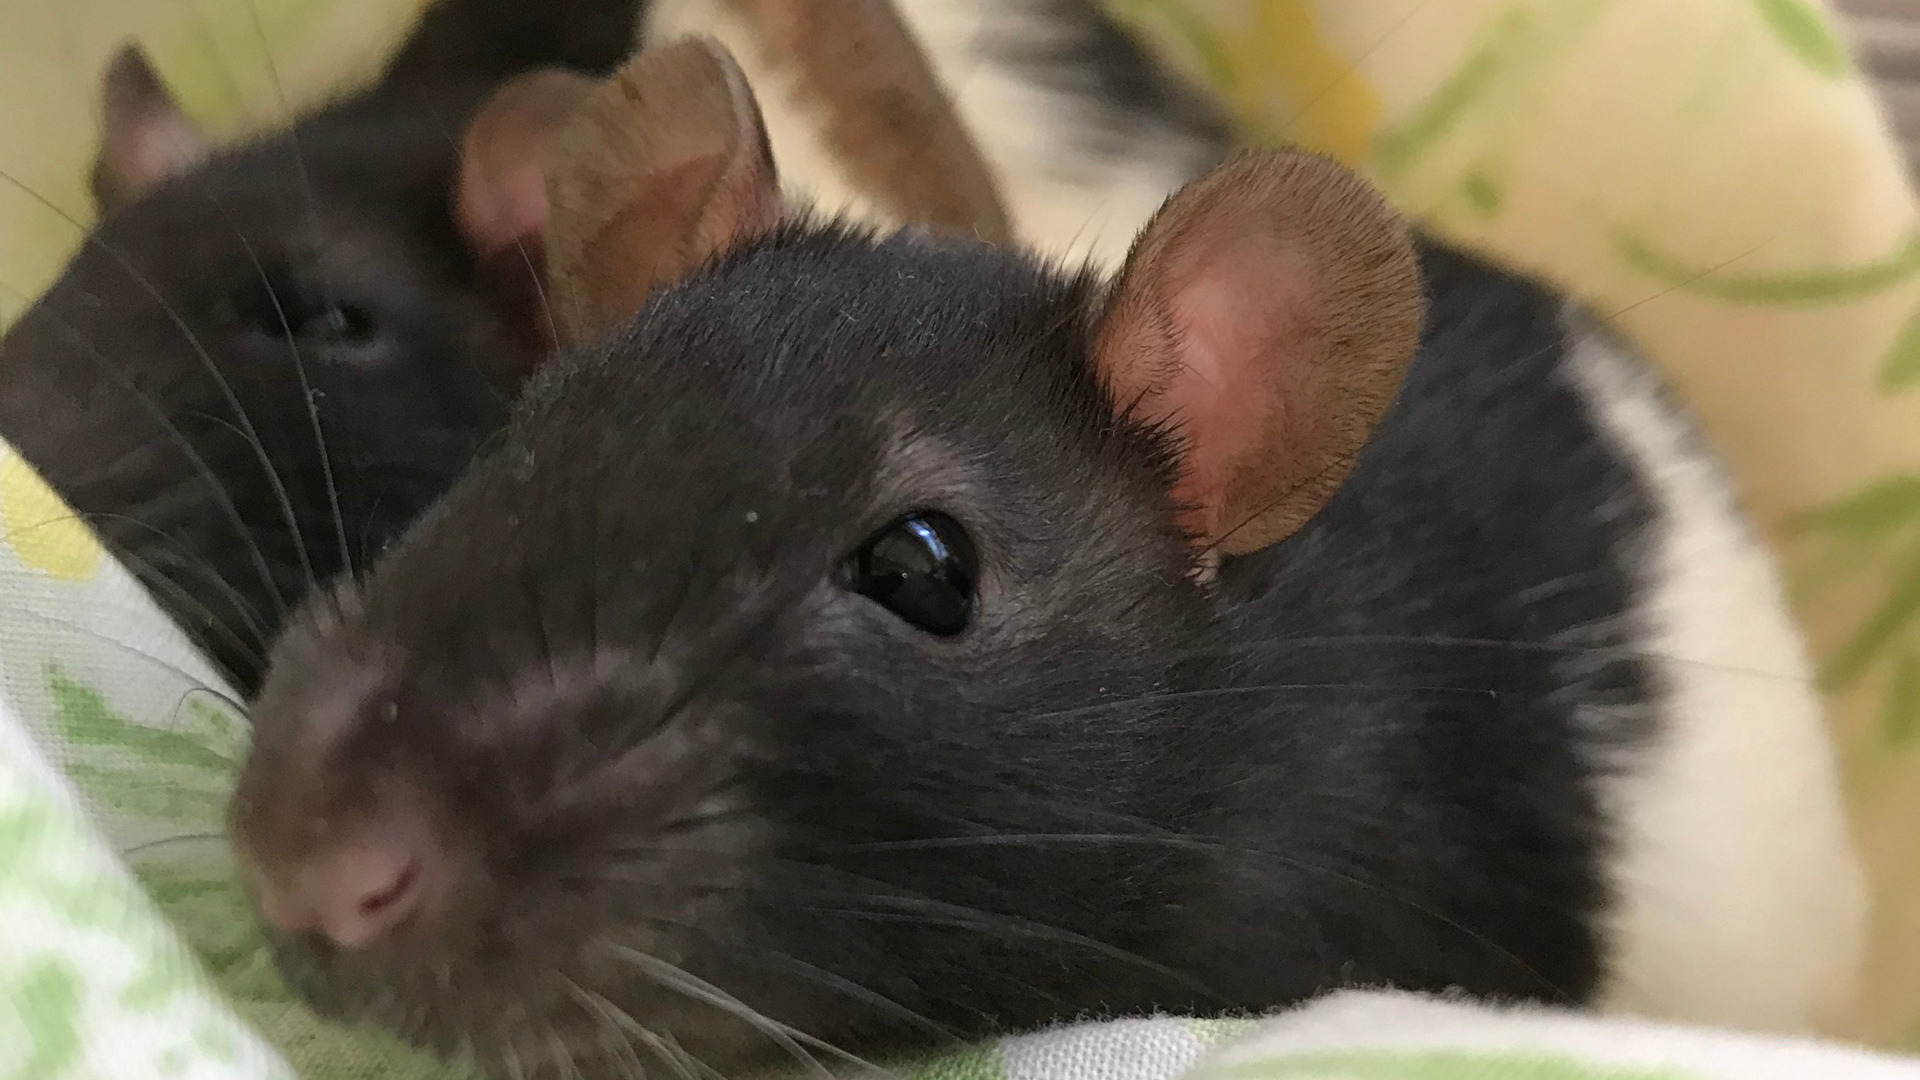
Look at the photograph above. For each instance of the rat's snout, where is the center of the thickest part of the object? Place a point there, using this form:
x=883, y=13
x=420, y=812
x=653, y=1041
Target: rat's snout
x=380, y=876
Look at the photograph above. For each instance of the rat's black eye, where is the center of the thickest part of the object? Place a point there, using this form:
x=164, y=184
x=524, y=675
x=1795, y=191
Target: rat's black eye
x=922, y=568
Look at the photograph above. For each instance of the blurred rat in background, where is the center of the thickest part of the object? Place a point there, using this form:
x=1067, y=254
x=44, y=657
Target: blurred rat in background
x=269, y=355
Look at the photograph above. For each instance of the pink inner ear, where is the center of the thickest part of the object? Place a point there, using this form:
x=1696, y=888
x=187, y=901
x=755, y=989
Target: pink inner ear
x=500, y=200
x=1268, y=314
x=155, y=149
x=1242, y=318
x=147, y=140
x=500, y=205
x=502, y=197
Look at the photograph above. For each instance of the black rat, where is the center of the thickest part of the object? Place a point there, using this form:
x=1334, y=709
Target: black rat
x=868, y=640
x=268, y=355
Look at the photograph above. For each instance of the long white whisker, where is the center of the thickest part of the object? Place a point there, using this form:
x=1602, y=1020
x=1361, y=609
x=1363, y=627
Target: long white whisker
x=305, y=178
x=673, y=977
x=312, y=408
x=623, y=1026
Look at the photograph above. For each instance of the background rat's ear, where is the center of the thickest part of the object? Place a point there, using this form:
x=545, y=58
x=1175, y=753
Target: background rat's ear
x=1266, y=315
x=146, y=139
x=500, y=195
x=662, y=167
x=887, y=116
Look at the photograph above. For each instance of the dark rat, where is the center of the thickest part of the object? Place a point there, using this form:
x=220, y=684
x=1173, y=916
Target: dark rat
x=861, y=641
x=269, y=355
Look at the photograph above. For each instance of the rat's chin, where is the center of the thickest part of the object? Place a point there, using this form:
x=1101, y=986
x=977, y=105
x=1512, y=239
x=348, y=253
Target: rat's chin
x=447, y=1007
x=519, y=1021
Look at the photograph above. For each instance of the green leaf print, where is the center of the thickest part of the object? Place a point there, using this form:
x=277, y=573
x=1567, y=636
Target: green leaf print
x=217, y=1043
x=23, y=829
x=1484, y=194
x=1877, y=510
x=1901, y=368
x=1396, y=149
x=1497, y=78
x=1434, y=1065
x=1804, y=31
x=212, y=914
x=83, y=716
x=1896, y=612
x=134, y=793
x=1192, y=28
x=1900, y=717
x=1826, y=285
x=216, y=728
x=49, y=1000
x=165, y=977
x=1882, y=510
x=90, y=902
x=976, y=1063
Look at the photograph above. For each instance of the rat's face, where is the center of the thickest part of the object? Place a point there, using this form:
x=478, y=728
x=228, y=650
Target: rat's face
x=816, y=658
x=829, y=646
x=262, y=365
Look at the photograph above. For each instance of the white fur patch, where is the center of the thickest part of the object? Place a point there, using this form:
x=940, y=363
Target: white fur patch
x=1741, y=900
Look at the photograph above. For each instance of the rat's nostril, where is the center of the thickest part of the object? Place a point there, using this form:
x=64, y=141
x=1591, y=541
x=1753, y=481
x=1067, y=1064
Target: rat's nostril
x=375, y=892
x=368, y=892
x=395, y=893
x=376, y=881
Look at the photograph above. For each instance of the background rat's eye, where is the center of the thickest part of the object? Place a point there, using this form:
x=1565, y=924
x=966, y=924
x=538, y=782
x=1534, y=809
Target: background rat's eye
x=922, y=568
x=276, y=305
x=335, y=324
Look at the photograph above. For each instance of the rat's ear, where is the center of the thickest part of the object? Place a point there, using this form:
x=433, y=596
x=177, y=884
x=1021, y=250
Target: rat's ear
x=662, y=167
x=146, y=139
x=1266, y=316
x=500, y=195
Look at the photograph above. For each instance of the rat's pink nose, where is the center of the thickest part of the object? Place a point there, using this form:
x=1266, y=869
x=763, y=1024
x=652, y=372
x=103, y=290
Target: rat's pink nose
x=384, y=876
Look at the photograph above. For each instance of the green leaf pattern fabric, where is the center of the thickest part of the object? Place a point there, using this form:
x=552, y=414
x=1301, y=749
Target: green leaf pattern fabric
x=94, y=981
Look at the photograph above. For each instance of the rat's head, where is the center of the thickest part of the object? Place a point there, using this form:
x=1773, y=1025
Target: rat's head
x=741, y=690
